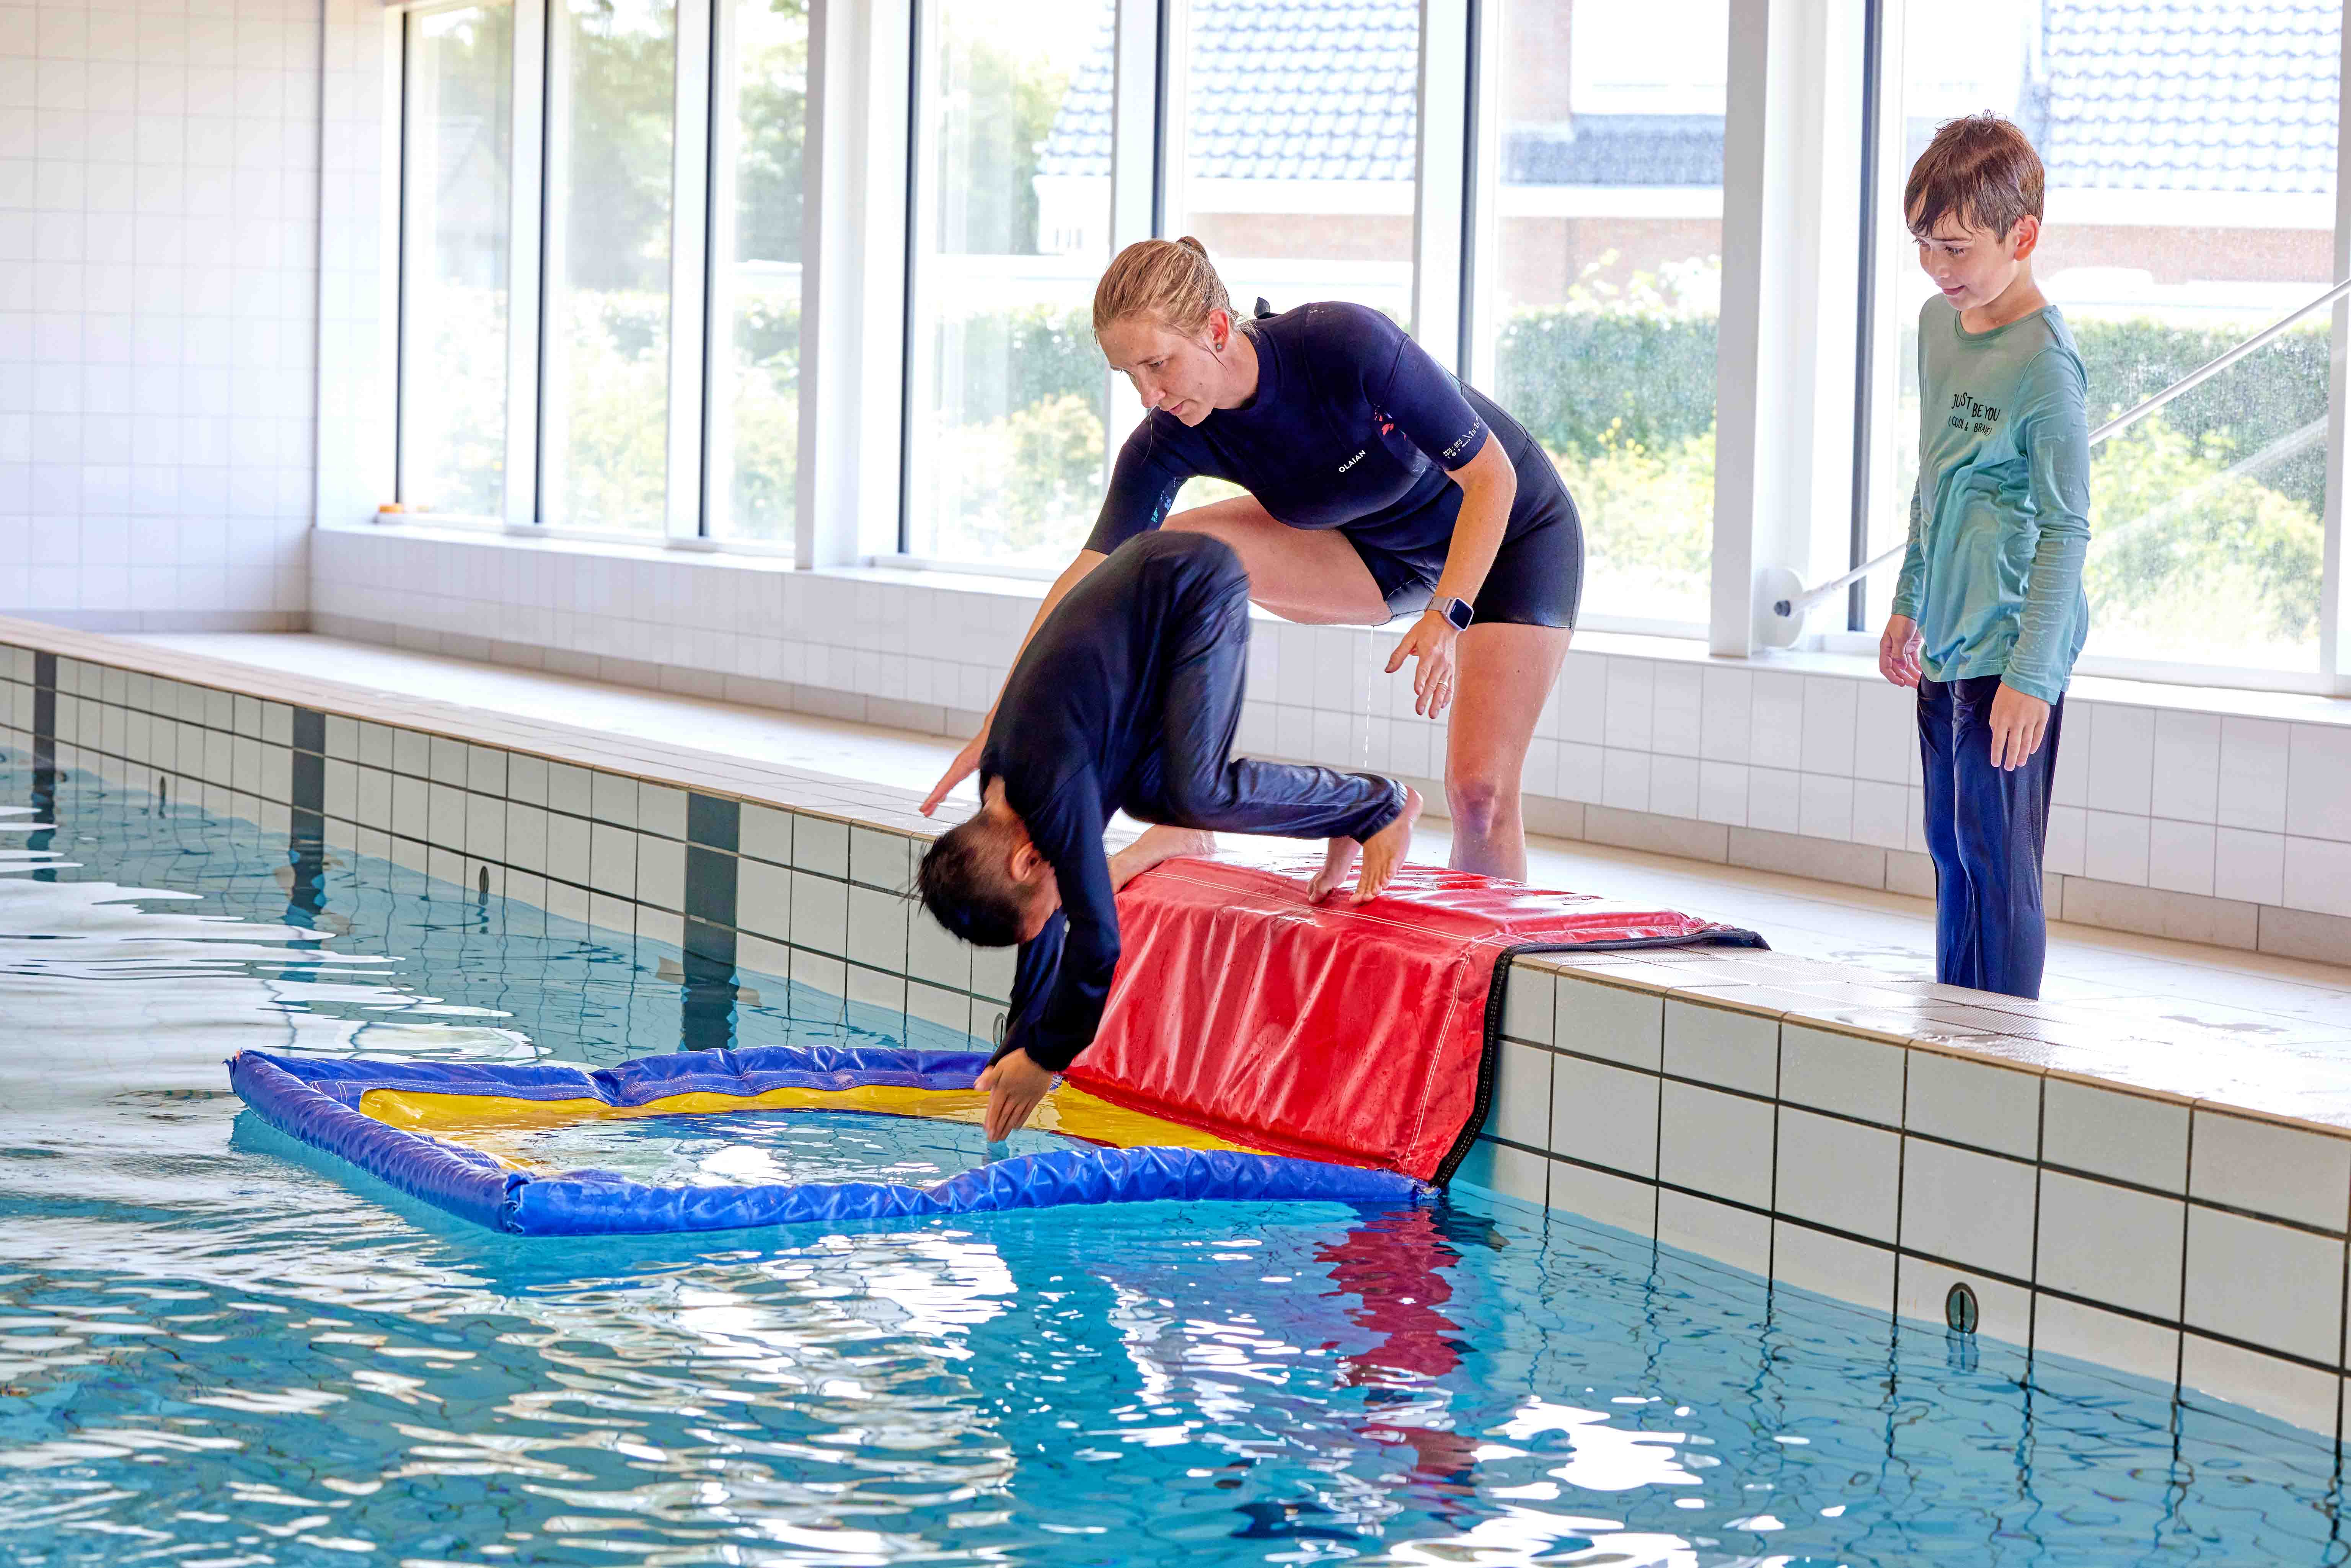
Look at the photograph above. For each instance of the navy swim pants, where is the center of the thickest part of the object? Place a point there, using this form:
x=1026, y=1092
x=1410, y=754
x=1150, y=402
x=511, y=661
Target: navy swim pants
x=1191, y=778
x=1985, y=831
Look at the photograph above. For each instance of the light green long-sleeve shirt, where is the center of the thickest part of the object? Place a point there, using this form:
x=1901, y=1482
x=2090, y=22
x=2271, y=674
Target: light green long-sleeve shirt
x=2001, y=517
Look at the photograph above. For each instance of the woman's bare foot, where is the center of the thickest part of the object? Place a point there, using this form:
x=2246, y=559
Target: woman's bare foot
x=1158, y=842
x=1384, y=851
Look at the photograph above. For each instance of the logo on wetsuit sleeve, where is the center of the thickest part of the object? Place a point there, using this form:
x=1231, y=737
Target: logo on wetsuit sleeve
x=1477, y=429
x=1351, y=462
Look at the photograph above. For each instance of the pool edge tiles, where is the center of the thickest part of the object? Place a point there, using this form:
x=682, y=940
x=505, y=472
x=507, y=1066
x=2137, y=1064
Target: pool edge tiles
x=1875, y=1142
x=1752, y=1125
x=775, y=871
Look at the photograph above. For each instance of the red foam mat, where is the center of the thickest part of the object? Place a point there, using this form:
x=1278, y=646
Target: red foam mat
x=1358, y=1034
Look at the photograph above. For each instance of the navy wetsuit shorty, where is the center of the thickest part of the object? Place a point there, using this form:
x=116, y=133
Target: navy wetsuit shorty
x=1127, y=699
x=1354, y=427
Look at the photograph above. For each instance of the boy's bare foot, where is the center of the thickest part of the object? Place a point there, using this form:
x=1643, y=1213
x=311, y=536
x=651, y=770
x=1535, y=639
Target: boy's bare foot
x=1339, y=858
x=1384, y=851
x=1158, y=842
x=1380, y=856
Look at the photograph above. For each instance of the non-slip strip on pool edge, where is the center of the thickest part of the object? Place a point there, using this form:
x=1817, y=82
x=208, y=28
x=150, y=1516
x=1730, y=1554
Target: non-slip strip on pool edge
x=297, y=1097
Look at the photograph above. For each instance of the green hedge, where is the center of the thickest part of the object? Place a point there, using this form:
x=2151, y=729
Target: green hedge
x=2243, y=409
x=1625, y=401
x=1571, y=375
x=1038, y=352
x=1578, y=378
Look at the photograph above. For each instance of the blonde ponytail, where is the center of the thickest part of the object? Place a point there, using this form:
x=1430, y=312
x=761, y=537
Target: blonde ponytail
x=1170, y=281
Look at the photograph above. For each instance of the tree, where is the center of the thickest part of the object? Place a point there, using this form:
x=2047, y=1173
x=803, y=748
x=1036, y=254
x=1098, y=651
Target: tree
x=998, y=109
x=621, y=133
x=771, y=115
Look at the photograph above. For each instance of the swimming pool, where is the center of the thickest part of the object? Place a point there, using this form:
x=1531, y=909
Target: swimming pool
x=214, y=1349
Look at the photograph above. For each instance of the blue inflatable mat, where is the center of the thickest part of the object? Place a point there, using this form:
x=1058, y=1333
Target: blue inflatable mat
x=435, y=1130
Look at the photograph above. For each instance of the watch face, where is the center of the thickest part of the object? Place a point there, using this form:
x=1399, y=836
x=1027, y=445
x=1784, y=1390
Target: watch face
x=1458, y=613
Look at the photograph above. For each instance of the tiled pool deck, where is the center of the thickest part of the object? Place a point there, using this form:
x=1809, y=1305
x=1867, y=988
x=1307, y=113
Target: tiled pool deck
x=2151, y=1170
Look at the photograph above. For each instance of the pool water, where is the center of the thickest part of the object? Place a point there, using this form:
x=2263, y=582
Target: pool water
x=218, y=1348
x=751, y=1149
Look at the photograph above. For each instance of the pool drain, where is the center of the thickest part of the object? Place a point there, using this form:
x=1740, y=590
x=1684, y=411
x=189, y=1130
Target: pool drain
x=1959, y=1309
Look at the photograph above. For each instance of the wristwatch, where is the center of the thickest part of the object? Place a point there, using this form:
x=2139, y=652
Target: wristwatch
x=1456, y=610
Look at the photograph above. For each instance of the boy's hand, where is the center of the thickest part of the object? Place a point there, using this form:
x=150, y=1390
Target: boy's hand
x=1897, y=650
x=1014, y=1085
x=2018, y=723
x=965, y=764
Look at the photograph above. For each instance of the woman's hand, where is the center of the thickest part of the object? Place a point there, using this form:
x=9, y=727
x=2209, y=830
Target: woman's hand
x=1431, y=642
x=1897, y=650
x=966, y=763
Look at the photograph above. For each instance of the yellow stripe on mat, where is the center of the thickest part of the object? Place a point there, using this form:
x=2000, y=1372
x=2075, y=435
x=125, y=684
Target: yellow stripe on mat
x=499, y=1126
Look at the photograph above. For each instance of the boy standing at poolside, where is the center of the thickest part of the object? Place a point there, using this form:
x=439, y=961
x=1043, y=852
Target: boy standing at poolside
x=1988, y=614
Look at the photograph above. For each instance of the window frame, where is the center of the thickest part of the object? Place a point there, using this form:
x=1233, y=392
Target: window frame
x=702, y=169
x=863, y=180
x=1877, y=485
x=1144, y=36
x=919, y=219
x=714, y=438
x=522, y=267
x=1481, y=25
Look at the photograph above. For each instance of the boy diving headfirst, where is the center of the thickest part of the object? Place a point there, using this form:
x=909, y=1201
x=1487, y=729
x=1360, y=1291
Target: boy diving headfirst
x=1126, y=698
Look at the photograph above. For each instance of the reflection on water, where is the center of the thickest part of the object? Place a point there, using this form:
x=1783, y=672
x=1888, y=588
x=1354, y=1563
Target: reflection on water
x=216, y=1346
x=752, y=1149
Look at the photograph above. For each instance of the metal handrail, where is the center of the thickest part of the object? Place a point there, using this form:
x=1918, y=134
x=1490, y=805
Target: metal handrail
x=1799, y=604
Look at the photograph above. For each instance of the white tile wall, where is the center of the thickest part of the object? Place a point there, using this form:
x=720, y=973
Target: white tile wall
x=159, y=197
x=2180, y=805
x=2253, y=759
x=2186, y=759
x=2121, y=755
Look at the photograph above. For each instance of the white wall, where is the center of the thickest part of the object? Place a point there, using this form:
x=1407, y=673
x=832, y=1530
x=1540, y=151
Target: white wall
x=159, y=182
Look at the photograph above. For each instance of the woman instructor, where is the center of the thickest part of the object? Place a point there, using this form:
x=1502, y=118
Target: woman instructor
x=1377, y=486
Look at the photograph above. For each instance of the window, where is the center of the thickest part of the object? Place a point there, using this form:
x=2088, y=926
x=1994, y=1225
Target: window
x=1607, y=268
x=2191, y=201
x=604, y=404
x=1007, y=392
x=456, y=167
x=1293, y=132
x=602, y=249
x=761, y=115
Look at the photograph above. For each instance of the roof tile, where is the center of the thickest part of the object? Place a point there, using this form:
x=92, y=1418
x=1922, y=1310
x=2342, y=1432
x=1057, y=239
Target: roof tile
x=2179, y=95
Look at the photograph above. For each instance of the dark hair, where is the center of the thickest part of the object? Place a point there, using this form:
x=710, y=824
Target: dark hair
x=1982, y=168
x=963, y=886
